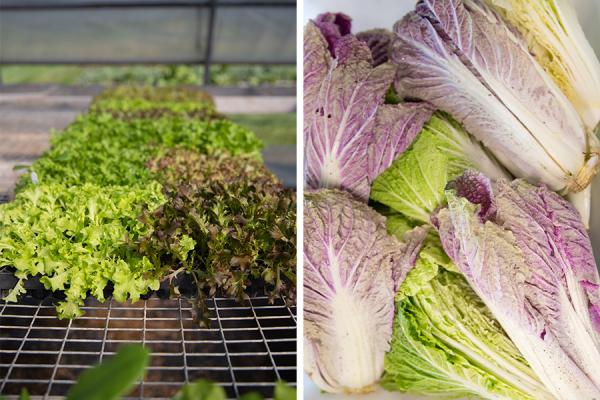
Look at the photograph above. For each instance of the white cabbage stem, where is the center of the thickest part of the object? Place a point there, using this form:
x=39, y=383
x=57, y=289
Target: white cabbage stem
x=582, y=201
x=555, y=37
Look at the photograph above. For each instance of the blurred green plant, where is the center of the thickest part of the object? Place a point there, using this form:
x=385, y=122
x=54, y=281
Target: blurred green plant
x=201, y=390
x=206, y=390
x=139, y=74
x=154, y=94
x=279, y=129
x=115, y=377
x=129, y=102
x=159, y=75
x=252, y=75
x=137, y=108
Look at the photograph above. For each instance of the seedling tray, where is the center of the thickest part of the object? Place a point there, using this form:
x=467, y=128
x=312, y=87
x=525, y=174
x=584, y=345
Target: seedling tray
x=248, y=347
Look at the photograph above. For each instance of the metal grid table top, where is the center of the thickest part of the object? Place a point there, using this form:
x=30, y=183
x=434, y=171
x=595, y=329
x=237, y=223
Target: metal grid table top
x=248, y=347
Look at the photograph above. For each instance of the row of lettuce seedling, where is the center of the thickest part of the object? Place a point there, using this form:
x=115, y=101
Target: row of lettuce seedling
x=149, y=184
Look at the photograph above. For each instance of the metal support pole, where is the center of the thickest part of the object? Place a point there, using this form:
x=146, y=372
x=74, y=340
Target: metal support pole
x=209, y=42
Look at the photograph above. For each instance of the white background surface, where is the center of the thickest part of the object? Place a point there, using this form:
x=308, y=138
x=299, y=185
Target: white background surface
x=383, y=14
x=365, y=14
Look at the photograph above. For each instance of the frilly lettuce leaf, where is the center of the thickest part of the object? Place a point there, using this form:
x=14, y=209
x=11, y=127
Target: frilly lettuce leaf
x=103, y=150
x=77, y=239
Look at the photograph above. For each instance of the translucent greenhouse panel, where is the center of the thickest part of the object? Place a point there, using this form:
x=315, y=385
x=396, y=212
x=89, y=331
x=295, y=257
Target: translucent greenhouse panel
x=255, y=1
x=101, y=3
x=104, y=35
x=147, y=31
x=254, y=34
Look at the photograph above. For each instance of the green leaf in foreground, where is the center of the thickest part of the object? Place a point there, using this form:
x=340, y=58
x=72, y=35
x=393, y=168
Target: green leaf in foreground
x=206, y=390
x=201, y=390
x=251, y=396
x=414, y=184
x=113, y=378
x=447, y=343
x=284, y=392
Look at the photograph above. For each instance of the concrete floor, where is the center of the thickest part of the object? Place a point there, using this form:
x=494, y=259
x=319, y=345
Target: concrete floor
x=28, y=116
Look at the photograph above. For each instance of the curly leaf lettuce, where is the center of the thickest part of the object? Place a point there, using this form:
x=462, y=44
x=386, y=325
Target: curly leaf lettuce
x=346, y=124
x=77, y=240
x=525, y=252
x=227, y=221
x=414, y=184
x=352, y=270
x=103, y=150
x=464, y=59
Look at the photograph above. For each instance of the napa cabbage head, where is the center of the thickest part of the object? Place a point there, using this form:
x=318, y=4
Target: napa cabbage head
x=525, y=252
x=463, y=58
x=556, y=39
x=351, y=135
x=352, y=269
x=446, y=341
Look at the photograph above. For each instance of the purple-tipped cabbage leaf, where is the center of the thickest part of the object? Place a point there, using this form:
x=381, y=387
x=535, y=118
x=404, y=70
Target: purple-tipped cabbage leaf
x=464, y=59
x=350, y=134
x=526, y=253
x=352, y=269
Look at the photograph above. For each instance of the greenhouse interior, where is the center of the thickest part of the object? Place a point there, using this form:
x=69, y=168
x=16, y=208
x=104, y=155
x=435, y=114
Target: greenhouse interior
x=147, y=199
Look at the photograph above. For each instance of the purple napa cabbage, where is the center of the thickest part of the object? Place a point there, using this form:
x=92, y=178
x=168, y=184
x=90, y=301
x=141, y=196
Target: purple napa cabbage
x=463, y=58
x=346, y=123
x=379, y=42
x=395, y=128
x=333, y=26
x=352, y=269
x=526, y=253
